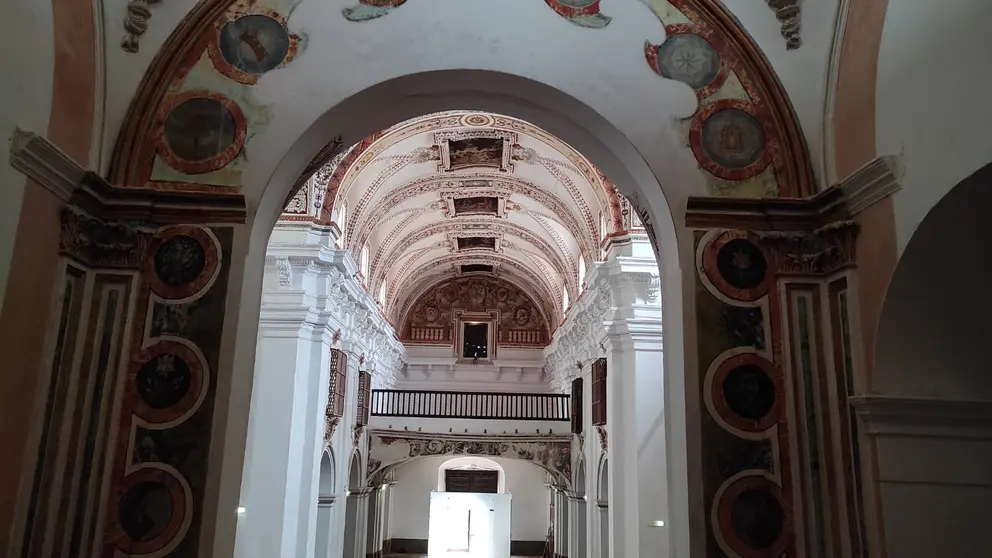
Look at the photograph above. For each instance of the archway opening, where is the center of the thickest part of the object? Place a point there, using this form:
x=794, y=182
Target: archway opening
x=325, y=503
x=607, y=149
x=930, y=399
x=602, y=508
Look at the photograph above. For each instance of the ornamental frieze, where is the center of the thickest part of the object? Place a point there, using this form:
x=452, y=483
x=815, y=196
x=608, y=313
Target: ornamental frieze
x=99, y=243
x=819, y=252
x=551, y=452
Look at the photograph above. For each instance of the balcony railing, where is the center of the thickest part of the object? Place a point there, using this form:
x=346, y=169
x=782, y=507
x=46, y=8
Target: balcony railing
x=470, y=405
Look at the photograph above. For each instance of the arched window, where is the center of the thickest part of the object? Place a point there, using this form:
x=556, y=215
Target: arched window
x=341, y=221
x=582, y=274
x=364, y=264
x=564, y=299
x=602, y=225
x=382, y=292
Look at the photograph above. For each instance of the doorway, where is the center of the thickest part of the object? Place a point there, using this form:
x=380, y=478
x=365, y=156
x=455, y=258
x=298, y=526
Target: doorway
x=469, y=525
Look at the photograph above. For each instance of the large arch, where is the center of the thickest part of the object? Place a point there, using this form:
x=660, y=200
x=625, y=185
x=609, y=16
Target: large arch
x=933, y=331
x=556, y=112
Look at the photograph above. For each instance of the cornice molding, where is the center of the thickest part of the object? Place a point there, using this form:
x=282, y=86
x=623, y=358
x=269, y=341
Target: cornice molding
x=42, y=161
x=873, y=182
x=922, y=417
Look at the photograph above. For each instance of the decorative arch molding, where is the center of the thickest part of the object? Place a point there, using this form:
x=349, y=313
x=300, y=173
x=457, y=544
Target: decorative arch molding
x=553, y=453
x=368, y=150
x=134, y=149
x=551, y=289
x=519, y=321
x=499, y=185
x=563, y=262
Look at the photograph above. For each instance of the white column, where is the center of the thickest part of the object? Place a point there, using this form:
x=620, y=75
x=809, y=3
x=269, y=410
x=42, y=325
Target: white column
x=576, y=525
x=325, y=527
x=602, y=548
x=279, y=483
x=621, y=416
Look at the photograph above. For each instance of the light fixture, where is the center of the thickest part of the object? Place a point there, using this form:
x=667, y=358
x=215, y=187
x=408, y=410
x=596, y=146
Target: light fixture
x=657, y=523
x=241, y=510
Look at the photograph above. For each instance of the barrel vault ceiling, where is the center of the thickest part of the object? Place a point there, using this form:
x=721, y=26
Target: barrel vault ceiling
x=460, y=192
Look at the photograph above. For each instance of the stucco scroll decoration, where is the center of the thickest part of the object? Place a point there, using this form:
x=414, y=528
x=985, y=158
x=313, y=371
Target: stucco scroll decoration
x=603, y=437
x=136, y=23
x=789, y=14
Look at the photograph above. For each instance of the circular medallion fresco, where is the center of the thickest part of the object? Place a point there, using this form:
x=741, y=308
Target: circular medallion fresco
x=741, y=264
x=757, y=518
x=163, y=381
x=254, y=44
x=521, y=315
x=200, y=128
x=749, y=392
x=688, y=58
x=478, y=120
x=145, y=511
x=733, y=139
x=179, y=260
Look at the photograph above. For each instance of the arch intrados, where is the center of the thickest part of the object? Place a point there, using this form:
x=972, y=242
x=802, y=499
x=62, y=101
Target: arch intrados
x=602, y=479
x=326, y=480
x=393, y=248
x=380, y=209
x=355, y=472
x=580, y=477
x=396, y=100
x=604, y=192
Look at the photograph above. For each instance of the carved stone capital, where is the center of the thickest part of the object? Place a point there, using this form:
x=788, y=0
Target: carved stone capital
x=818, y=252
x=99, y=243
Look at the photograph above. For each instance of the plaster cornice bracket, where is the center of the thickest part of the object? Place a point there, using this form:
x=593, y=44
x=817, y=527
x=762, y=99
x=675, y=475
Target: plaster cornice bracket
x=789, y=14
x=46, y=164
x=874, y=181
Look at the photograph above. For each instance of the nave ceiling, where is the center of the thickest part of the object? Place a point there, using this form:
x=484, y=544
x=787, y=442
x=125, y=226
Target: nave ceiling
x=464, y=193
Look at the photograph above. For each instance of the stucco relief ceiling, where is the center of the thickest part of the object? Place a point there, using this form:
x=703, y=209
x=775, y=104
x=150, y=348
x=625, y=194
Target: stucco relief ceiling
x=455, y=189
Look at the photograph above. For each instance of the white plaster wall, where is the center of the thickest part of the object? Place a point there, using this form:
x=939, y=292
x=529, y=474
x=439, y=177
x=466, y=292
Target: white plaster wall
x=26, y=97
x=932, y=100
x=529, y=513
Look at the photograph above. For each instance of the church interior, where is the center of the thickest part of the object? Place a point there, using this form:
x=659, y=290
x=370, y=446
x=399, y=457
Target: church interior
x=454, y=278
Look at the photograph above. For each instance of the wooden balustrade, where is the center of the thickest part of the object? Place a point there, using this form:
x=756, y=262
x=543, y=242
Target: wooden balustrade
x=470, y=405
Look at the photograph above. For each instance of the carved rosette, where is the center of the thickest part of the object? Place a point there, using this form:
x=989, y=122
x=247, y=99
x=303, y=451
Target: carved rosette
x=819, y=252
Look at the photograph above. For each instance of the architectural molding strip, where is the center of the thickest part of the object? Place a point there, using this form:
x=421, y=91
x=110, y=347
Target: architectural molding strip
x=42, y=161
x=871, y=183
x=934, y=418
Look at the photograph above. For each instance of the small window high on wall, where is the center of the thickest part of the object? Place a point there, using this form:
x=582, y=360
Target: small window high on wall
x=565, y=303
x=576, y=399
x=364, y=398
x=342, y=218
x=338, y=383
x=599, y=392
x=364, y=263
x=582, y=274
x=382, y=292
